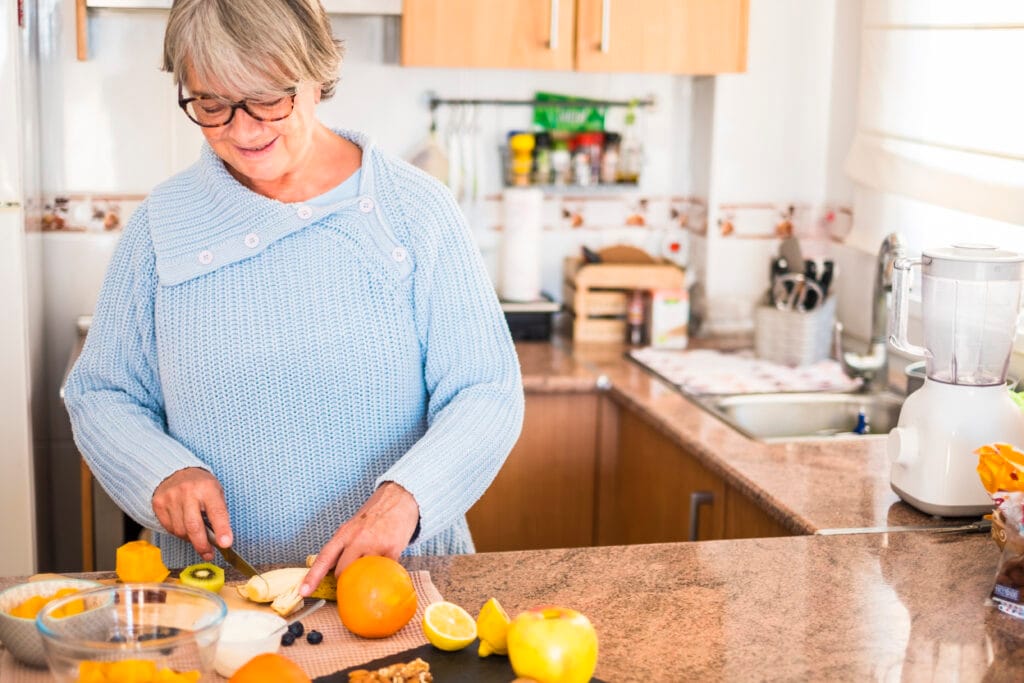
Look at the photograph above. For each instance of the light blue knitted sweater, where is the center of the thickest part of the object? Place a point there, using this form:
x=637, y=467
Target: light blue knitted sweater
x=303, y=354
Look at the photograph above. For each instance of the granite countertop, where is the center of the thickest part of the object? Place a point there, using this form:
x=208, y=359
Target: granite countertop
x=807, y=486
x=899, y=606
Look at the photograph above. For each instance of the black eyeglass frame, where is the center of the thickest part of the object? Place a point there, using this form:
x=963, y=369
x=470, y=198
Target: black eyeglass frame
x=183, y=102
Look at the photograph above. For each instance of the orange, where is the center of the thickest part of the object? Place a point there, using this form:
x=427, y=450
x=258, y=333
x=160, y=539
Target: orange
x=375, y=597
x=270, y=668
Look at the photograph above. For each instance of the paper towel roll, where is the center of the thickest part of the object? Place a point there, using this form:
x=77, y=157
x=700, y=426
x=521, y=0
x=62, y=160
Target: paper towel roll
x=519, y=272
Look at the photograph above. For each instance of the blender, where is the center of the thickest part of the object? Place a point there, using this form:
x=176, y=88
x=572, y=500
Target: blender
x=970, y=299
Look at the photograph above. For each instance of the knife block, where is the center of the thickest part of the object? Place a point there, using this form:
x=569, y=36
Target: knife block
x=597, y=294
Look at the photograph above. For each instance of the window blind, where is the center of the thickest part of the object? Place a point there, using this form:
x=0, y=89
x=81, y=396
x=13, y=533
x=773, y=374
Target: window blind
x=941, y=104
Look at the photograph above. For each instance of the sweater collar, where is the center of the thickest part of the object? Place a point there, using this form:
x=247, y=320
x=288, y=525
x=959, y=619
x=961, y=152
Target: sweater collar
x=203, y=218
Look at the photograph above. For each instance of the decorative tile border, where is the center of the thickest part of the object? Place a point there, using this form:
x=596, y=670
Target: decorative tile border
x=87, y=213
x=775, y=221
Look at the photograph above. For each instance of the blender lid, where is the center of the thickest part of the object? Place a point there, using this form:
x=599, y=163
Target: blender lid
x=969, y=261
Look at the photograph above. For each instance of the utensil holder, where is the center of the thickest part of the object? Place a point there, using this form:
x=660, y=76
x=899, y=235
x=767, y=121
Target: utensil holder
x=794, y=337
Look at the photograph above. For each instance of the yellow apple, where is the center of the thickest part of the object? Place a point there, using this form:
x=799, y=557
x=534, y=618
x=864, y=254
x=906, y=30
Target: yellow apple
x=552, y=645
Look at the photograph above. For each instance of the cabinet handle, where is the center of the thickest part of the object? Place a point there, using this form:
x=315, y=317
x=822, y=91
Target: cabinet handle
x=553, y=31
x=697, y=499
x=606, y=25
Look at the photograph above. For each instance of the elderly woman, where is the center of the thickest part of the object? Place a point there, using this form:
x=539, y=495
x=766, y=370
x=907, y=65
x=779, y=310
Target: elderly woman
x=296, y=336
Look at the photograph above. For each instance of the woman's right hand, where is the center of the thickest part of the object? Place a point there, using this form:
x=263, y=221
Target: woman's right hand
x=180, y=501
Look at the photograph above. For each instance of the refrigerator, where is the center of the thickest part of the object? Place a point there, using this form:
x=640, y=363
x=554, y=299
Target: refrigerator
x=22, y=408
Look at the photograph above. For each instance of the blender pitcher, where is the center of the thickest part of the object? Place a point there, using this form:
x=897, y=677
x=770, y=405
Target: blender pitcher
x=970, y=299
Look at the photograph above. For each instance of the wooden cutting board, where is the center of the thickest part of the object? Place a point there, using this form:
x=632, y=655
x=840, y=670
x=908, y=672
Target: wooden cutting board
x=463, y=666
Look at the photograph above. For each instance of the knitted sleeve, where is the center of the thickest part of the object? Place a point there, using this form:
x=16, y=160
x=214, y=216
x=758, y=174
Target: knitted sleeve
x=113, y=393
x=475, y=411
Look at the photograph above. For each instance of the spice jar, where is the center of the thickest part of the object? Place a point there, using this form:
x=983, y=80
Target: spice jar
x=591, y=142
x=610, y=158
x=561, y=159
x=542, y=164
x=521, y=145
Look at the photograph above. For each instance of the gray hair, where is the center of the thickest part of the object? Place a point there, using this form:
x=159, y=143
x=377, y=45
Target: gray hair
x=252, y=47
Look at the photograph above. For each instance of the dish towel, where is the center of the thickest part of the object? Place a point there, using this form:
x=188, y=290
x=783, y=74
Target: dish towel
x=704, y=372
x=339, y=649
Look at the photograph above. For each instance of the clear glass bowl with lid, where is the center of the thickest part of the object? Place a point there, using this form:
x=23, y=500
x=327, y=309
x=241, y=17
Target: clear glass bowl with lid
x=139, y=632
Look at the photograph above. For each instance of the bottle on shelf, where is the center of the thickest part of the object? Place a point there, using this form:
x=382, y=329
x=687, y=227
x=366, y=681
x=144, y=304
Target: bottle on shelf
x=542, y=167
x=630, y=150
x=521, y=145
x=636, y=318
x=610, y=158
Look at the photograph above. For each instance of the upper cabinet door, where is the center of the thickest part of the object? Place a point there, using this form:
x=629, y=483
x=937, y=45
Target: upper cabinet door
x=672, y=36
x=522, y=34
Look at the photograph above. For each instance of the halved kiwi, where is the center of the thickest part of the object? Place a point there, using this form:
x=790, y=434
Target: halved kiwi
x=204, y=575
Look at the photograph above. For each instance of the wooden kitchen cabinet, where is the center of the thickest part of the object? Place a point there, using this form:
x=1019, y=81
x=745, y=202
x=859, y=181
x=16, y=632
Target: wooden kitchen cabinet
x=673, y=36
x=653, y=482
x=498, y=35
x=746, y=519
x=543, y=497
x=652, y=489
x=670, y=36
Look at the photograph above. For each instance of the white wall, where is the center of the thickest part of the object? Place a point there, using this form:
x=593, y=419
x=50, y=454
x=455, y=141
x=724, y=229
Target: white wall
x=780, y=132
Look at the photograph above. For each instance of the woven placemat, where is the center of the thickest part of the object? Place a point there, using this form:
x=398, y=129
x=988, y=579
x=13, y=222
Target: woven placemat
x=339, y=649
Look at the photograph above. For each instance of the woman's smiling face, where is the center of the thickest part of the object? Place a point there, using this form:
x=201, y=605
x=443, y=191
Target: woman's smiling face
x=262, y=152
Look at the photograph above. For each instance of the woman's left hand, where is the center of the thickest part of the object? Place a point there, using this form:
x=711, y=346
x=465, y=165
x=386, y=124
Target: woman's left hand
x=383, y=526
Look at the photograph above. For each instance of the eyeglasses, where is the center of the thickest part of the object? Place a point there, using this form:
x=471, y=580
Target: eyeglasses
x=212, y=112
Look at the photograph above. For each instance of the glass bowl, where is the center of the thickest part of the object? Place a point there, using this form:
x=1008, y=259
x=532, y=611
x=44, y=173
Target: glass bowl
x=135, y=631
x=19, y=634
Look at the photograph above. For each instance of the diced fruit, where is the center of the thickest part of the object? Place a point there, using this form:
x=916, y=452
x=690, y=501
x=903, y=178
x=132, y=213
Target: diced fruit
x=204, y=575
x=30, y=607
x=132, y=671
x=447, y=626
x=376, y=597
x=492, y=628
x=140, y=562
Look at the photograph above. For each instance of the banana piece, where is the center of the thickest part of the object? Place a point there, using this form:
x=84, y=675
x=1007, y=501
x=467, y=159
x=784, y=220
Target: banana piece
x=280, y=587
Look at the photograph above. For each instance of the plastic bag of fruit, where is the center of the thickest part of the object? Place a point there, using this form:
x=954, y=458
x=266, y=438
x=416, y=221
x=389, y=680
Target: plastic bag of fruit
x=1001, y=469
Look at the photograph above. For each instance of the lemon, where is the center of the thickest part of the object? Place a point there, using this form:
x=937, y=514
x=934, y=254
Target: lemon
x=447, y=626
x=492, y=627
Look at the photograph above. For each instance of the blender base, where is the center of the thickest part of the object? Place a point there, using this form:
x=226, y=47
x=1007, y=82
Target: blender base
x=938, y=510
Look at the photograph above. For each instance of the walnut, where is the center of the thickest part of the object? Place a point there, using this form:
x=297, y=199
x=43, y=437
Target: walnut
x=416, y=671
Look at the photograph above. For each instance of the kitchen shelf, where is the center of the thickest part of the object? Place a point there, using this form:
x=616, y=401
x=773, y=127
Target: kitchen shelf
x=434, y=102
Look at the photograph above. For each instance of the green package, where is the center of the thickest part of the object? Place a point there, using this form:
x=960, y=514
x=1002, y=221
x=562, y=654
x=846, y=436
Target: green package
x=586, y=117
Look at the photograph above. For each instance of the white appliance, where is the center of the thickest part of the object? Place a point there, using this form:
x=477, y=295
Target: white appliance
x=970, y=300
x=20, y=303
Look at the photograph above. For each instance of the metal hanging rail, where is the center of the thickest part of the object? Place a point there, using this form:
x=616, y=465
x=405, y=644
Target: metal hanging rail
x=436, y=102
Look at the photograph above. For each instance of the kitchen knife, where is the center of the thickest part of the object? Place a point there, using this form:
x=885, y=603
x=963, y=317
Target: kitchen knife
x=974, y=527
x=232, y=558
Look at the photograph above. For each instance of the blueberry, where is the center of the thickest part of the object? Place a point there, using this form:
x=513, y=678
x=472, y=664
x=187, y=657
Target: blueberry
x=315, y=637
x=288, y=638
x=297, y=629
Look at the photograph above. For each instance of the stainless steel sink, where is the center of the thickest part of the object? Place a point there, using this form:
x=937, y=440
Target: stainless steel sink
x=791, y=416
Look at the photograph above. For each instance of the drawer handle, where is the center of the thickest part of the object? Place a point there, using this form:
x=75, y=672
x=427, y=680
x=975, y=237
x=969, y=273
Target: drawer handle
x=698, y=499
x=553, y=31
x=606, y=25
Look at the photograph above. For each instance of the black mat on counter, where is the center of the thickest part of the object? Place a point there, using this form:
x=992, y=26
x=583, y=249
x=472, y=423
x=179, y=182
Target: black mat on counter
x=463, y=665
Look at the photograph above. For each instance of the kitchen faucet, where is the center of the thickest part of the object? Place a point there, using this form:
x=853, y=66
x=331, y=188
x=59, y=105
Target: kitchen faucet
x=872, y=367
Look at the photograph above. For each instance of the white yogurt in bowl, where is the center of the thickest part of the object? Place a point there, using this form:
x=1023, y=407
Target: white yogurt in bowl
x=245, y=634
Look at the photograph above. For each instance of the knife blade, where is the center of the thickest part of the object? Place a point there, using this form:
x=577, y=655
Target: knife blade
x=229, y=555
x=973, y=527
